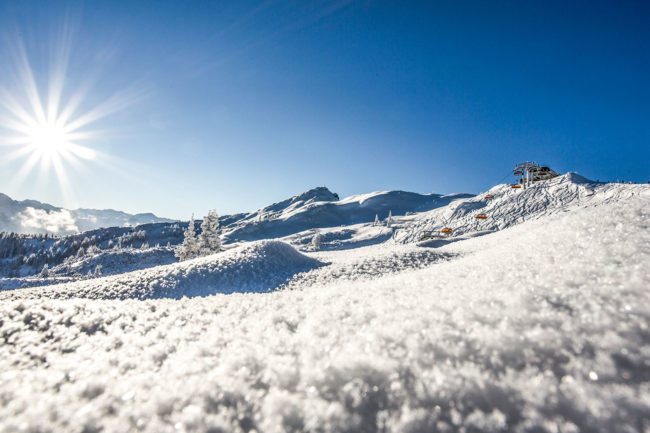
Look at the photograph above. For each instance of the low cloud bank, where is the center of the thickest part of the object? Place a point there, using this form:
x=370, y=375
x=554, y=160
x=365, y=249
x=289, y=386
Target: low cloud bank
x=41, y=221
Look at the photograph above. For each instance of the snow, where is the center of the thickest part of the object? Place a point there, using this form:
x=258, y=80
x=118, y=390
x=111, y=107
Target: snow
x=344, y=224
x=320, y=208
x=514, y=206
x=541, y=327
x=254, y=267
x=342, y=238
x=118, y=261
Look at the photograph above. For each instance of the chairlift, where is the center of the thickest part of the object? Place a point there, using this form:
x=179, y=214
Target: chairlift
x=515, y=186
x=481, y=216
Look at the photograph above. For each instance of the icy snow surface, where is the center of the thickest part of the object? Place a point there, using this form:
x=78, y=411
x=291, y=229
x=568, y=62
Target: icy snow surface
x=542, y=327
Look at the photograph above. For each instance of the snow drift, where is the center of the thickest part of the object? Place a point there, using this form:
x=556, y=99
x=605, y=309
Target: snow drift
x=254, y=267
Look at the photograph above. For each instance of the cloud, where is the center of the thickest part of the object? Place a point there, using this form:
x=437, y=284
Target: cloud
x=41, y=221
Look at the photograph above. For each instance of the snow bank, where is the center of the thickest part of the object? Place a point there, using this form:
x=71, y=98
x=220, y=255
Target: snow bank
x=255, y=267
x=118, y=261
x=543, y=327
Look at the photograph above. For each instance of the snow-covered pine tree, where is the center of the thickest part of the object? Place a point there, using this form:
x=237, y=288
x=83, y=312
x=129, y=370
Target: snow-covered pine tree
x=389, y=220
x=189, y=249
x=376, y=223
x=45, y=272
x=316, y=241
x=209, y=241
x=98, y=271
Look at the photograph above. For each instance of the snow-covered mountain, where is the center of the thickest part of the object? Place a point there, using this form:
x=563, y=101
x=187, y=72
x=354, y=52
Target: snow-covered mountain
x=320, y=208
x=31, y=216
x=113, y=248
x=347, y=223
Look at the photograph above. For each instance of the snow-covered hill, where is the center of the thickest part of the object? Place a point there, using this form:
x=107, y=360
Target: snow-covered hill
x=254, y=267
x=31, y=216
x=539, y=327
x=503, y=206
x=320, y=208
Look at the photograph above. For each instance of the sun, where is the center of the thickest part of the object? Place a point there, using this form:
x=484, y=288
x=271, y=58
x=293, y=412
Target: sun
x=49, y=139
x=51, y=128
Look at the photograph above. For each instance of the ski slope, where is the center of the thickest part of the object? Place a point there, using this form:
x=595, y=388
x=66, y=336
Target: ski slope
x=510, y=206
x=540, y=327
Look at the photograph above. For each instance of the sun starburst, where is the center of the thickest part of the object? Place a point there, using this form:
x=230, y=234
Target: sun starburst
x=51, y=133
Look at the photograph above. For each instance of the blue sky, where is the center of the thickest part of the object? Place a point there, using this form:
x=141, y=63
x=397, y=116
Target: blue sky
x=234, y=105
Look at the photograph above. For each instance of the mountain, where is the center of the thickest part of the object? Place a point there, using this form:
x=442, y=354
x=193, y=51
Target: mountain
x=343, y=224
x=31, y=216
x=320, y=208
x=119, y=249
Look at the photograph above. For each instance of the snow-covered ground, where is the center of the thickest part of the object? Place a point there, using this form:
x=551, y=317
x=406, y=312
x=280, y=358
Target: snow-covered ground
x=540, y=327
x=253, y=267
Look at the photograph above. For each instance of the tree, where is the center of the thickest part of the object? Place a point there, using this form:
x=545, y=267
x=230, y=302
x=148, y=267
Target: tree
x=389, y=220
x=316, y=241
x=45, y=272
x=209, y=241
x=98, y=271
x=376, y=223
x=93, y=250
x=189, y=249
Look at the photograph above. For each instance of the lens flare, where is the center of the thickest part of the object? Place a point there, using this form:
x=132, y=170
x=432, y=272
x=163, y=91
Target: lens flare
x=51, y=133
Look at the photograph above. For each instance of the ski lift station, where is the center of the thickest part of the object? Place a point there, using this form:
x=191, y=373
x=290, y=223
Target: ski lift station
x=527, y=173
x=531, y=172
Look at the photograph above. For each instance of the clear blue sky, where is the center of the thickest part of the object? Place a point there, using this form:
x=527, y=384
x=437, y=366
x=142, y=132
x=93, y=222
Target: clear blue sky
x=244, y=103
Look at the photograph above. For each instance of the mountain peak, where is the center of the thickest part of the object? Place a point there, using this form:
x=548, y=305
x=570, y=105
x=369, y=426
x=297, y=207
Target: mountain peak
x=320, y=193
x=576, y=178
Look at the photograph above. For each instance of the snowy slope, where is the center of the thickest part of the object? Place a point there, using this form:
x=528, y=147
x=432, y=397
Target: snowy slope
x=117, y=261
x=31, y=216
x=253, y=267
x=502, y=337
x=319, y=208
x=513, y=206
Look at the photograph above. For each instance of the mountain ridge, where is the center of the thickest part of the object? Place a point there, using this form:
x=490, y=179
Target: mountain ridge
x=31, y=216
